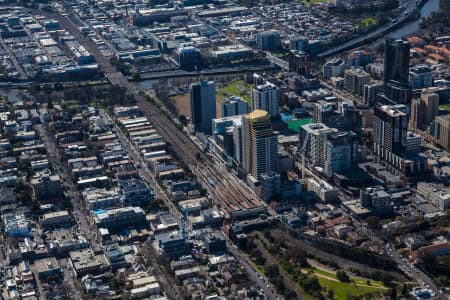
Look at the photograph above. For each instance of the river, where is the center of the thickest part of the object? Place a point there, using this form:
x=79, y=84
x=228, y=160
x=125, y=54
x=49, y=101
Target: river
x=148, y=84
x=427, y=9
x=13, y=95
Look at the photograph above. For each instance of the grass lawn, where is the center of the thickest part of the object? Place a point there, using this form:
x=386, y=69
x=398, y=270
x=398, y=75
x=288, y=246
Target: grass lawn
x=259, y=268
x=368, y=21
x=236, y=88
x=321, y=272
x=306, y=2
x=182, y=103
x=358, y=286
x=445, y=106
x=342, y=290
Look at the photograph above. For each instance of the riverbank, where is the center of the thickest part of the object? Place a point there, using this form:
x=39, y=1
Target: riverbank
x=16, y=91
x=409, y=28
x=207, y=72
x=402, y=27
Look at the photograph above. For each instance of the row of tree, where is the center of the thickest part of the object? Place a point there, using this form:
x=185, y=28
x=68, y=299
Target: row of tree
x=102, y=95
x=363, y=256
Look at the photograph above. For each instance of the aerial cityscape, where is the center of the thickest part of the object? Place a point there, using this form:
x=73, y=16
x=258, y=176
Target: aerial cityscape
x=225, y=149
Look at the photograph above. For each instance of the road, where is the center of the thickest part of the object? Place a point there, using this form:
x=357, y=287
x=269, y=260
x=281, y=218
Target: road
x=356, y=42
x=226, y=193
x=253, y=274
x=414, y=273
x=142, y=167
x=149, y=177
x=71, y=191
x=79, y=206
x=69, y=279
x=226, y=190
x=307, y=246
x=167, y=282
x=409, y=5
x=407, y=268
x=154, y=268
x=343, y=94
x=217, y=71
x=284, y=65
x=16, y=64
x=289, y=282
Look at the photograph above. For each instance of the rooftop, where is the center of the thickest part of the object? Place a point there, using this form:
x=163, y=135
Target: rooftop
x=258, y=114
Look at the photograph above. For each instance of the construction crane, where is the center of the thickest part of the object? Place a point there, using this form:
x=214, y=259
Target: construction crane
x=184, y=224
x=303, y=153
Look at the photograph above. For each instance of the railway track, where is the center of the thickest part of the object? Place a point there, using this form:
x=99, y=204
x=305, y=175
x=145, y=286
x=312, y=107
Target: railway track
x=230, y=197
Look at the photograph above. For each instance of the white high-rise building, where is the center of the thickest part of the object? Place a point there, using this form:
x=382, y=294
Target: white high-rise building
x=265, y=97
x=333, y=68
x=312, y=142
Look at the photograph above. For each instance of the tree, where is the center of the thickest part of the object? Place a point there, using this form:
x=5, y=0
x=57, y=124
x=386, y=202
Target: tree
x=428, y=259
x=58, y=86
x=279, y=284
x=136, y=76
x=248, y=245
x=23, y=192
x=342, y=276
x=404, y=290
x=394, y=292
x=272, y=271
x=290, y=294
x=386, y=278
x=297, y=256
x=311, y=285
x=442, y=280
x=115, y=283
x=182, y=119
x=198, y=156
x=373, y=222
x=257, y=256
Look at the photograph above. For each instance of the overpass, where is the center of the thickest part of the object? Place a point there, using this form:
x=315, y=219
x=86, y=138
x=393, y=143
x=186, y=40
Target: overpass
x=217, y=71
x=284, y=65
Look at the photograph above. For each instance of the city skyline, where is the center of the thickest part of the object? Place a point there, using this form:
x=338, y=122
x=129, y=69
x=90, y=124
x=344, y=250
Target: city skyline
x=202, y=149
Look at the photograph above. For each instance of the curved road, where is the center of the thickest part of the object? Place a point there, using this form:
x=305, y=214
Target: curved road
x=407, y=8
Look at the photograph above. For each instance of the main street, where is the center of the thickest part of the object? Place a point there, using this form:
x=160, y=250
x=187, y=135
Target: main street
x=149, y=177
x=71, y=190
x=142, y=167
x=167, y=282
